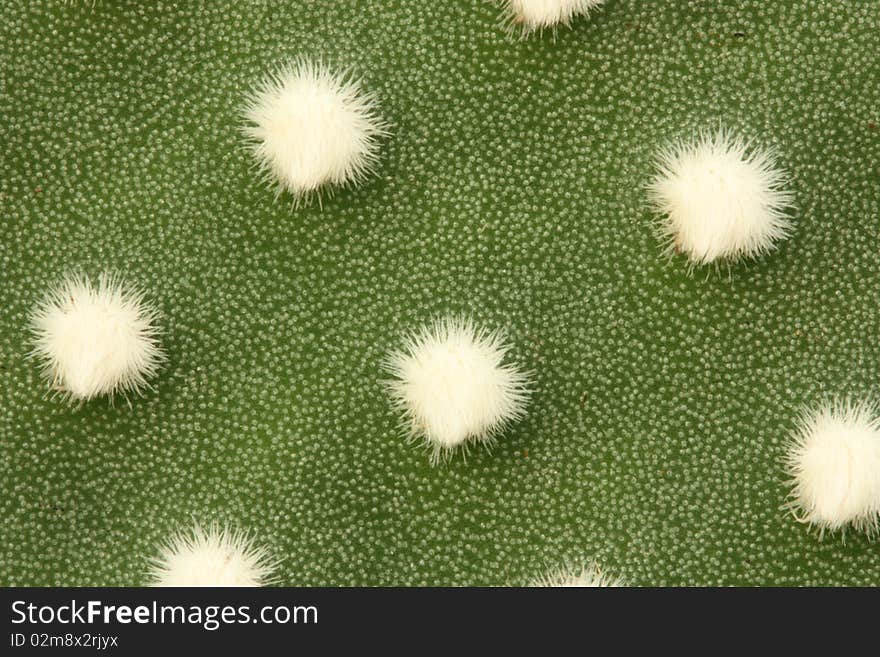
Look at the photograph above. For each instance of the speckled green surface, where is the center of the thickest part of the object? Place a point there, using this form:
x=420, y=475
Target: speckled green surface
x=511, y=190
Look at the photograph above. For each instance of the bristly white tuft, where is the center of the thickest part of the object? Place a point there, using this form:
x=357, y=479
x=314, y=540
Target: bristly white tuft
x=96, y=340
x=452, y=385
x=536, y=15
x=834, y=462
x=591, y=576
x=311, y=129
x=720, y=199
x=216, y=556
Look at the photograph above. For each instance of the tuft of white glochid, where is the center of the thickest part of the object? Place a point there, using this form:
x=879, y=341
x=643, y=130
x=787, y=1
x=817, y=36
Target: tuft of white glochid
x=452, y=384
x=834, y=464
x=96, y=339
x=589, y=576
x=720, y=199
x=312, y=129
x=537, y=15
x=213, y=556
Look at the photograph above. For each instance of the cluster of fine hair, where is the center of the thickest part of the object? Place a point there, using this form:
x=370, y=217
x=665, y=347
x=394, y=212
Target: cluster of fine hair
x=96, y=340
x=537, y=15
x=720, y=199
x=312, y=129
x=452, y=384
x=834, y=464
x=216, y=556
x=589, y=576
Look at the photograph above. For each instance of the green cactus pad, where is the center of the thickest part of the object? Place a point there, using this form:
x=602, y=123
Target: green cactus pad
x=511, y=190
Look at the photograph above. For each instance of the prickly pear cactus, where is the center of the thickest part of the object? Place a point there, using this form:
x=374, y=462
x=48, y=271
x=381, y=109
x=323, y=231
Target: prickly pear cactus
x=511, y=190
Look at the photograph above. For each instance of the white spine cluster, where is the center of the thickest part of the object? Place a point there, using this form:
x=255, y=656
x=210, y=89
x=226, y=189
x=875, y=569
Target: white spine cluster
x=834, y=463
x=532, y=15
x=720, y=199
x=451, y=382
x=311, y=129
x=590, y=576
x=96, y=339
x=216, y=556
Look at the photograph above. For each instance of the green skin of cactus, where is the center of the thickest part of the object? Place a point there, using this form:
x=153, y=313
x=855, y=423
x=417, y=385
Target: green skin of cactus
x=511, y=190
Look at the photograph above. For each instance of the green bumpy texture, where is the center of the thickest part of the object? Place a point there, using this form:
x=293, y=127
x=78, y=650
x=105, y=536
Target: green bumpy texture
x=511, y=190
